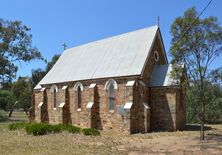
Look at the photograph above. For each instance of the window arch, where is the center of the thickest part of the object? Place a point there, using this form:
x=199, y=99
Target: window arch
x=110, y=86
x=111, y=81
x=78, y=84
x=53, y=91
x=78, y=89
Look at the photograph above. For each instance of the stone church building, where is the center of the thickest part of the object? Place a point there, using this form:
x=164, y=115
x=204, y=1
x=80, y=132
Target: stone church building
x=122, y=83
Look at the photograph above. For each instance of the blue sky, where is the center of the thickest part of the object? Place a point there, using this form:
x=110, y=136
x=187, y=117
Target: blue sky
x=75, y=22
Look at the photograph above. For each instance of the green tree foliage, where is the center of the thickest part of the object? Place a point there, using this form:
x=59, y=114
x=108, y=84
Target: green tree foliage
x=22, y=92
x=213, y=97
x=196, y=43
x=15, y=45
x=216, y=76
x=6, y=99
x=51, y=63
x=38, y=74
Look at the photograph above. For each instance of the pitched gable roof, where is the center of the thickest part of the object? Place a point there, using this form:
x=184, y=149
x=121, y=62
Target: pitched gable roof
x=122, y=55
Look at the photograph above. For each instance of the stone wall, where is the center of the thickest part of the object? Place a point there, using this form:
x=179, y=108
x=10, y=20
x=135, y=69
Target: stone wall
x=148, y=68
x=167, y=110
x=98, y=117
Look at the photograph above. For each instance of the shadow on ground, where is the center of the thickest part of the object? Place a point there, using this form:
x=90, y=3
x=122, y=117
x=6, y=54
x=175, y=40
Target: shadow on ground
x=14, y=118
x=195, y=127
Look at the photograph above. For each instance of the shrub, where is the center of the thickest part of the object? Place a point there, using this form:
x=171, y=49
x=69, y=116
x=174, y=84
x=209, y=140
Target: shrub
x=90, y=131
x=43, y=128
x=55, y=128
x=38, y=129
x=16, y=126
x=73, y=129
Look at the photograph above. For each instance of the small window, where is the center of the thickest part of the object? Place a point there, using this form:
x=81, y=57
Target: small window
x=111, y=97
x=79, y=98
x=78, y=88
x=156, y=56
x=111, y=87
x=54, y=90
x=54, y=98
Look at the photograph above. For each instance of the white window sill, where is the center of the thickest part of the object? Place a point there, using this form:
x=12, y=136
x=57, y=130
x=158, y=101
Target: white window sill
x=79, y=109
x=54, y=108
x=111, y=111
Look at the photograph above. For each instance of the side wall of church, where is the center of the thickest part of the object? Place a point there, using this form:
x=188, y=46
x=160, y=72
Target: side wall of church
x=102, y=117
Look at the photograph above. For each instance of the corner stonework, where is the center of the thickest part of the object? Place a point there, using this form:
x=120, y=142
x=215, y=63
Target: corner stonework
x=63, y=106
x=92, y=106
x=128, y=105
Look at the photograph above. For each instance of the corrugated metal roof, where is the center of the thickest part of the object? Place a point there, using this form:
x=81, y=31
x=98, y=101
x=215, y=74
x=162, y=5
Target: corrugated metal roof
x=161, y=76
x=121, y=55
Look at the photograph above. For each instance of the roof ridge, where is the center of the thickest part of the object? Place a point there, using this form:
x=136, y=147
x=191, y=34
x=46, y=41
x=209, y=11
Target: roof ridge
x=111, y=37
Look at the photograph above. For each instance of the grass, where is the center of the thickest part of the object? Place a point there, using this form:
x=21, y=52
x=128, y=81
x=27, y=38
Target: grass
x=16, y=126
x=110, y=142
x=3, y=116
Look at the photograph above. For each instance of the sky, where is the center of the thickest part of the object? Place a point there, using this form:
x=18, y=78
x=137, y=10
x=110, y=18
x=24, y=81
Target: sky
x=75, y=22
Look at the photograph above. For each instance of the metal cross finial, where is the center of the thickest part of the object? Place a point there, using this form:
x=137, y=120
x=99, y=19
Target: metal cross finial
x=158, y=21
x=64, y=46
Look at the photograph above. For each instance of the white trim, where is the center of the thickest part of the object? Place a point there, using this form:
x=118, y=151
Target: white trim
x=78, y=84
x=128, y=105
x=111, y=81
x=92, y=85
x=61, y=105
x=42, y=89
x=130, y=83
x=79, y=109
x=54, y=108
x=40, y=104
x=64, y=87
x=146, y=105
x=111, y=111
x=53, y=87
x=89, y=105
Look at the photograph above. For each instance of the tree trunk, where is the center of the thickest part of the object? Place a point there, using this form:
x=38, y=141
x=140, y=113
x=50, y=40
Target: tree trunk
x=202, y=117
x=26, y=111
x=10, y=113
x=202, y=122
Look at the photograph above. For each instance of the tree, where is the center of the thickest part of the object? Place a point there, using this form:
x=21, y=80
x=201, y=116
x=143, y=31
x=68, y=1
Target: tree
x=6, y=99
x=15, y=45
x=51, y=63
x=196, y=43
x=38, y=74
x=213, y=103
x=22, y=92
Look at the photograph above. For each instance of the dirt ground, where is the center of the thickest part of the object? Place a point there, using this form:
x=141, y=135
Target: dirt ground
x=112, y=142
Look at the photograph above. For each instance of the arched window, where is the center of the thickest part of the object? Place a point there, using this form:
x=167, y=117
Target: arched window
x=54, y=90
x=110, y=86
x=54, y=98
x=78, y=89
x=111, y=97
x=79, y=98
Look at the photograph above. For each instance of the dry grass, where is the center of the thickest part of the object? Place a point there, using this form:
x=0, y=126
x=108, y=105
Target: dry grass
x=110, y=142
